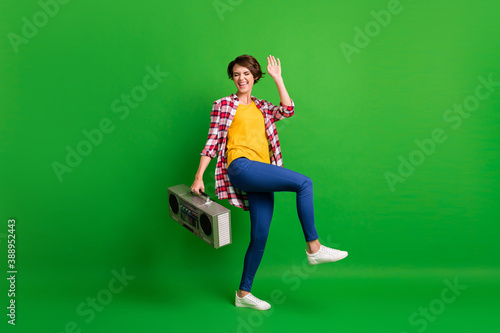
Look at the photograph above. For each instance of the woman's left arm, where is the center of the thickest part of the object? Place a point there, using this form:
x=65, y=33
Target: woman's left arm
x=274, y=70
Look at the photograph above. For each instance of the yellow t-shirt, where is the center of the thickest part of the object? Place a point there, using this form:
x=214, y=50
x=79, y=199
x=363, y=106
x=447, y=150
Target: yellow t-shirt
x=247, y=136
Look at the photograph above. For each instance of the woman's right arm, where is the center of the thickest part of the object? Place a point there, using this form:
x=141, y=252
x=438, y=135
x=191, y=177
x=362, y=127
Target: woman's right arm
x=210, y=149
x=198, y=178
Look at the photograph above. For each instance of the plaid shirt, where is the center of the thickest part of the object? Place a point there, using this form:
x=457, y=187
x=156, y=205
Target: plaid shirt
x=222, y=115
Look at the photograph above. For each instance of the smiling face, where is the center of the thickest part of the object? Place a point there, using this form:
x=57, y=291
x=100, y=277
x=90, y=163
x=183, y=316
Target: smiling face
x=243, y=79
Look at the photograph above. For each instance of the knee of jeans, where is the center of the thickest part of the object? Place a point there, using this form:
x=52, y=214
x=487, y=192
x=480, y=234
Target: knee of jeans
x=308, y=183
x=258, y=242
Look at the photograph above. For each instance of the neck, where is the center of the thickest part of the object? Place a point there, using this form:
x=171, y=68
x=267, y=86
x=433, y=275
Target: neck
x=245, y=98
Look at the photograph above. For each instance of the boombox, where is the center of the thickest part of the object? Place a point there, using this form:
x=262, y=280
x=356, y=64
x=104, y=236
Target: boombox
x=197, y=213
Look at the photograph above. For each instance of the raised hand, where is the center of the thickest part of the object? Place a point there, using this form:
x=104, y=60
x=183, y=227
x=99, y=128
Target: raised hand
x=273, y=67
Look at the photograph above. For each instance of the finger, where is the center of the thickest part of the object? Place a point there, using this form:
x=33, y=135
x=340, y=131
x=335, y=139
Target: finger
x=279, y=62
x=268, y=61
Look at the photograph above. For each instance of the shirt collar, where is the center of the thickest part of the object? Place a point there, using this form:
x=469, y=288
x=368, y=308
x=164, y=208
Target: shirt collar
x=255, y=99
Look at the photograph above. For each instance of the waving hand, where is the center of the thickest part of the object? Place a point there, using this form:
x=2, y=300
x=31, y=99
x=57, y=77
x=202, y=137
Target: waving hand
x=273, y=67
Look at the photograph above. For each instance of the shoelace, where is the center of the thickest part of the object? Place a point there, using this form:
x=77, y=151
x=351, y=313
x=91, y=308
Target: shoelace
x=331, y=251
x=253, y=298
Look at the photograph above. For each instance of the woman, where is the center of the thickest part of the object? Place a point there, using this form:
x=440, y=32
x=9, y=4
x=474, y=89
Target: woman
x=250, y=169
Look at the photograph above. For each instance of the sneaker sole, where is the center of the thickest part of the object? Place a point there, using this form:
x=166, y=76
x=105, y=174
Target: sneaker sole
x=250, y=307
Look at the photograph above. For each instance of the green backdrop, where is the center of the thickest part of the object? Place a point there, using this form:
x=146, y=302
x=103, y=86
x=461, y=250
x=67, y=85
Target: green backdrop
x=106, y=104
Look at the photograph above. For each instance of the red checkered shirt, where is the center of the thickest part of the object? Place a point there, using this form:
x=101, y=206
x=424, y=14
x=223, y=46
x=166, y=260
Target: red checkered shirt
x=222, y=115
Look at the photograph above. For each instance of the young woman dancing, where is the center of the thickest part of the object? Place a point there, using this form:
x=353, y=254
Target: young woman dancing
x=249, y=167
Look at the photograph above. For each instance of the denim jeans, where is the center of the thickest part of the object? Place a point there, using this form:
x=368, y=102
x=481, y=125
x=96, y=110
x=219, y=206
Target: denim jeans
x=260, y=181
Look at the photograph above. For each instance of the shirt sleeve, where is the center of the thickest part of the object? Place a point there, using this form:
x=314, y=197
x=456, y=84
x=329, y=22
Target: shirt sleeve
x=210, y=149
x=281, y=111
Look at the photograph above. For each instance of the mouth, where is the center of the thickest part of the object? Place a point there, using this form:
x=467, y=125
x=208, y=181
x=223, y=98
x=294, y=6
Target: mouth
x=242, y=84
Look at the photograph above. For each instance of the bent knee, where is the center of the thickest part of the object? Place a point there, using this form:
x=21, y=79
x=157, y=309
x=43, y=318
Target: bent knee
x=307, y=183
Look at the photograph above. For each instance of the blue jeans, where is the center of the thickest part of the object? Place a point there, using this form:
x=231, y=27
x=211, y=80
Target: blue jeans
x=260, y=181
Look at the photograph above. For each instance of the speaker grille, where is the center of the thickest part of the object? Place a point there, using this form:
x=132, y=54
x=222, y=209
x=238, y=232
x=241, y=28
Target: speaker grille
x=224, y=229
x=206, y=224
x=174, y=204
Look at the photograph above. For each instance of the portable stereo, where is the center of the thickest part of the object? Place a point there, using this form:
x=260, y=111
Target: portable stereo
x=197, y=213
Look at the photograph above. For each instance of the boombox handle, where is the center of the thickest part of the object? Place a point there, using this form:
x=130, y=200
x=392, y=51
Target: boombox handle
x=204, y=194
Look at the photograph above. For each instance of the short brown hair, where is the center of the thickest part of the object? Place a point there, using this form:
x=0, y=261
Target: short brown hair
x=249, y=62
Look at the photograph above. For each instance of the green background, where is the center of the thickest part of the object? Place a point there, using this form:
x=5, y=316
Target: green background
x=356, y=116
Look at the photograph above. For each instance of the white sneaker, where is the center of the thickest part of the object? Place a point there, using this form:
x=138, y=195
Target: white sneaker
x=325, y=254
x=250, y=301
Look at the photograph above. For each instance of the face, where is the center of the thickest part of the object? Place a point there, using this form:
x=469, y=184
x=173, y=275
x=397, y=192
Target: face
x=243, y=79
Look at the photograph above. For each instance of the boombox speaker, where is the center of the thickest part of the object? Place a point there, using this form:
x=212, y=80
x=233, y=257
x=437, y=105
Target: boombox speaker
x=197, y=213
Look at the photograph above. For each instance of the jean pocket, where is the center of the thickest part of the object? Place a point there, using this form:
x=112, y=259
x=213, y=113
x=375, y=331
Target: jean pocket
x=236, y=166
